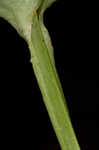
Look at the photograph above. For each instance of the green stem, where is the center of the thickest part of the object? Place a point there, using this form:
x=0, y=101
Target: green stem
x=51, y=90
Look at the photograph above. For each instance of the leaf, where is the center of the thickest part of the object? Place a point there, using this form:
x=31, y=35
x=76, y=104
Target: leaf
x=26, y=16
x=19, y=13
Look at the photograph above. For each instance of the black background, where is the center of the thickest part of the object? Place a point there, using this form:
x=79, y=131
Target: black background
x=24, y=119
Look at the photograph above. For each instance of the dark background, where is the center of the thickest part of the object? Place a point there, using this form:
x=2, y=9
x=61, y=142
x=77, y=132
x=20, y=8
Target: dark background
x=24, y=119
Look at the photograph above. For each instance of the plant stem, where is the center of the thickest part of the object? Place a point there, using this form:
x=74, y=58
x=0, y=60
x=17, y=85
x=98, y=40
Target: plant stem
x=51, y=89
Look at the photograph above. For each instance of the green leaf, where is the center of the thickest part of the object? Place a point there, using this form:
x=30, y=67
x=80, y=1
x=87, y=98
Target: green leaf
x=19, y=13
x=26, y=16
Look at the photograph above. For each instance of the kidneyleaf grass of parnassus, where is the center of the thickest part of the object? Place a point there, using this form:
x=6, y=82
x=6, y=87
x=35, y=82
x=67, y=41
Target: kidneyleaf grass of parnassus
x=26, y=16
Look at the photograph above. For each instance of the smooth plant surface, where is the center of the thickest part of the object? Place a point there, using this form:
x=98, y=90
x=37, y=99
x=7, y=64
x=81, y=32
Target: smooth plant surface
x=26, y=16
x=19, y=13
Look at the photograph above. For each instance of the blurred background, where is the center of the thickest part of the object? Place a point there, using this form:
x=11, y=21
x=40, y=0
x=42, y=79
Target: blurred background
x=24, y=119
